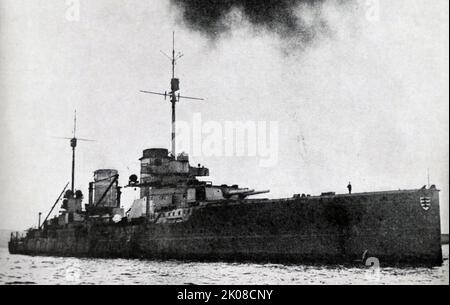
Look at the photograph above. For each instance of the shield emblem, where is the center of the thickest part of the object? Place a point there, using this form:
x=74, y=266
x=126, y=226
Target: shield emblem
x=425, y=202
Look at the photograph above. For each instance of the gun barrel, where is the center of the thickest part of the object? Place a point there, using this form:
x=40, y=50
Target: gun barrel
x=238, y=191
x=257, y=192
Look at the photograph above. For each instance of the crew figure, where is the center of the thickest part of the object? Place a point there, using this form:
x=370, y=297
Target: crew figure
x=349, y=186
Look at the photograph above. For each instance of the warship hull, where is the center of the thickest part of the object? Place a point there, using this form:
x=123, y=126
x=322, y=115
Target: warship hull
x=396, y=227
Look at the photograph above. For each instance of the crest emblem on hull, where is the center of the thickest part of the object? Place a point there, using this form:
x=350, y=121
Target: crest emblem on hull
x=425, y=202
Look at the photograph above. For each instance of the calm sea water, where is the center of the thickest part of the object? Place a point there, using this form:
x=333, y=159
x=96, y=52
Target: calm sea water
x=19, y=269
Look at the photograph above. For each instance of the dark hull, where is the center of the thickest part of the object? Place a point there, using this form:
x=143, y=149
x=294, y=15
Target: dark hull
x=344, y=229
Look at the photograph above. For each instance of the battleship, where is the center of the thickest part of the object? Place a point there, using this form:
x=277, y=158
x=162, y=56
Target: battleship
x=179, y=216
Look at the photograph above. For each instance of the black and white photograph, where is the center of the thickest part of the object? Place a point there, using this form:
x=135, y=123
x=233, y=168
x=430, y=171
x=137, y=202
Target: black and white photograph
x=250, y=143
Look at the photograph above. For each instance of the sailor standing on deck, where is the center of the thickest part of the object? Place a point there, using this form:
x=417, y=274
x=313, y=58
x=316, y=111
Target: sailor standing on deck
x=349, y=186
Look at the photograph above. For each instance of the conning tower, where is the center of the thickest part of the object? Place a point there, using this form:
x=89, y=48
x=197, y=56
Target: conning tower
x=166, y=181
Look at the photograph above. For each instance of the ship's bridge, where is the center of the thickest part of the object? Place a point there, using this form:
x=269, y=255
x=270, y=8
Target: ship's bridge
x=166, y=178
x=159, y=168
x=156, y=163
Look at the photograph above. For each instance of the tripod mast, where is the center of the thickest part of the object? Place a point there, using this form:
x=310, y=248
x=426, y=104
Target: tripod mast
x=174, y=86
x=174, y=96
x=73, y=144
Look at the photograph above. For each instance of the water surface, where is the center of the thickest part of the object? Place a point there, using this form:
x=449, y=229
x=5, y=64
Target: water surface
x=20, y=269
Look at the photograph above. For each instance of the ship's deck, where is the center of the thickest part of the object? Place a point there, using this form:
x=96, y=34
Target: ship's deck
x=325, y=195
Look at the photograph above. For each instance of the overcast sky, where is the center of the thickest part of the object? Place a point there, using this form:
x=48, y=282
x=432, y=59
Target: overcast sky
x=366, y=102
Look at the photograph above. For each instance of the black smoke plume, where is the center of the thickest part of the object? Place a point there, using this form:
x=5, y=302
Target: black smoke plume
x=277, y=16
